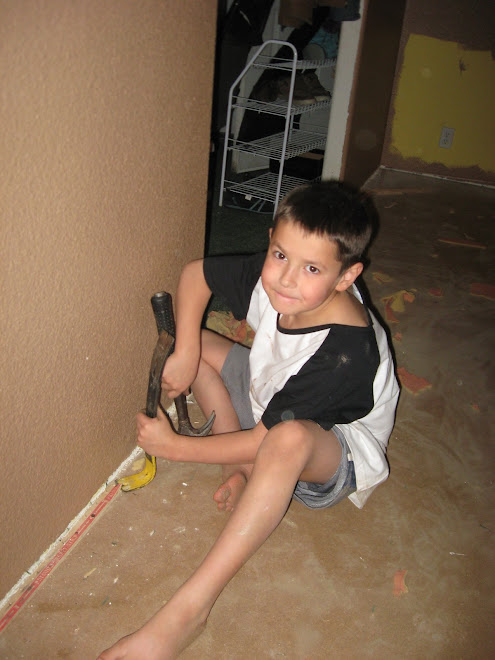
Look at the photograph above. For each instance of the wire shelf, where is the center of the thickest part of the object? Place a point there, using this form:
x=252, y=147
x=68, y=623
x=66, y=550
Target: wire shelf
x=300, y=142
x=278, y=107
x=281, y=146
x=265, y=186
x=283, y=63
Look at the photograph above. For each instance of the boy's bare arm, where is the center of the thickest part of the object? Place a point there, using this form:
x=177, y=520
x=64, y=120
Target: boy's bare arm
x=157, y=437
x=192, y=297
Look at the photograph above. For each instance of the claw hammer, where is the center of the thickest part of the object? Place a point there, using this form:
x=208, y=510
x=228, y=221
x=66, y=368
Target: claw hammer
x=163, y=310
x=164, y=316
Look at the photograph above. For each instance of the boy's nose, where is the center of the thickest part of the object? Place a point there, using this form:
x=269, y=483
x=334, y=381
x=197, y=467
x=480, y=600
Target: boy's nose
x=288, y=278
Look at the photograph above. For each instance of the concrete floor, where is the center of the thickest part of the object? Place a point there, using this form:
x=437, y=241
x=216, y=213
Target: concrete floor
x=409, y=576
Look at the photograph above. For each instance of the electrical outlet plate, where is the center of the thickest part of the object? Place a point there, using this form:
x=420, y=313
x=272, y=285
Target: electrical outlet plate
x=446, y=137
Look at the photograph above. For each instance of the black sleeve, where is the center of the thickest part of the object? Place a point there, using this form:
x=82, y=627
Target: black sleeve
x=335, y=386
x=233, y=279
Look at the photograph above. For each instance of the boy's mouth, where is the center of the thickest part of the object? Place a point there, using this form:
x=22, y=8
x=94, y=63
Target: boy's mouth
x=284, y=297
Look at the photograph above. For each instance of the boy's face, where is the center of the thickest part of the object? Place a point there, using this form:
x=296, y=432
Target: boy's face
x=301, y=274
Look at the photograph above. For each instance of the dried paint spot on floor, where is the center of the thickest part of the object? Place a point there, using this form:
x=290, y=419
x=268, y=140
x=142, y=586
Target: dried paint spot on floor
x=389, y=314
x=396, y=301
x=412, y=383
x=381, y=278
x=482, y=290
x=436, y=292
x=399, y=583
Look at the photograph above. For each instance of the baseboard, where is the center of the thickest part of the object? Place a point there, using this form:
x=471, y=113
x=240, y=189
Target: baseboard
x=431, y=176
x=33, y=570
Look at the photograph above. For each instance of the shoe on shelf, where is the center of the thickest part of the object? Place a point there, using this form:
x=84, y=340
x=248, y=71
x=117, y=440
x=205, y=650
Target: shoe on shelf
x=315, y=87
x=265, y=90
x=302, y=94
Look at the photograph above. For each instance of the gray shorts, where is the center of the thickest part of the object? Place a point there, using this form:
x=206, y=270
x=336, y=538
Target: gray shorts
x=235, y=375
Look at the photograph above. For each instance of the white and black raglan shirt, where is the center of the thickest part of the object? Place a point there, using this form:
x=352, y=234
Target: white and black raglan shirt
x=335, y=375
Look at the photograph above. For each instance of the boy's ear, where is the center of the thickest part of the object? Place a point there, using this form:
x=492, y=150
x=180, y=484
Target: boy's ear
x=270, y=232
x=349, y=276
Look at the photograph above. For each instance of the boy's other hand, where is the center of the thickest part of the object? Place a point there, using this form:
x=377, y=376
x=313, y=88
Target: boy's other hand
x=178, y=374
x=157, y=436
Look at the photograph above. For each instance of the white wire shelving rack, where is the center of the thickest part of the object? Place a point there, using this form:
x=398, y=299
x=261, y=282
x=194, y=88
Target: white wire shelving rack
x=271, y=187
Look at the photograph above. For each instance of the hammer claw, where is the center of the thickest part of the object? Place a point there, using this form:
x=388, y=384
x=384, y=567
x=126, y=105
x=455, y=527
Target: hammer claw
x=185, y=426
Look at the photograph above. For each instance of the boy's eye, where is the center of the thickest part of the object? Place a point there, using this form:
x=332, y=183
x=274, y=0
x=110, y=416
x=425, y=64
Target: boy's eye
x=312, y=269
x=279, y=255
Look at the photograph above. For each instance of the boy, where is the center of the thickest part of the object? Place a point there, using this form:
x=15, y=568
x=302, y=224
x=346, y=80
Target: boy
x=305, y=413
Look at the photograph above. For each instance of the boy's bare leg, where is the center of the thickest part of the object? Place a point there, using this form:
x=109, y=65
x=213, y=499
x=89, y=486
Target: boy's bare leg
x=289, y=451
x=208, y=388
x=211, y=394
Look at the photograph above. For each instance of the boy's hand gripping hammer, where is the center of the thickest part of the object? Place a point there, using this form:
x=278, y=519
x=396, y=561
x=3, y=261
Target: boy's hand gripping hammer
x=164, y=316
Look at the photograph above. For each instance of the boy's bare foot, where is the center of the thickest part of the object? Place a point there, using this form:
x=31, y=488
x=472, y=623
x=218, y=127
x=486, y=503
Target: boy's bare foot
x=164, y=637
x=229, y=493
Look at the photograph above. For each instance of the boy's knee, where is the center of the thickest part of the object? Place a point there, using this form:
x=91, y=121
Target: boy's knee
x=288, y=440
x=214, y=349
x=206, y=335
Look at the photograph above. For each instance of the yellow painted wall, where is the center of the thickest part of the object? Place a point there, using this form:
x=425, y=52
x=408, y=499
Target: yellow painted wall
x=443, y=84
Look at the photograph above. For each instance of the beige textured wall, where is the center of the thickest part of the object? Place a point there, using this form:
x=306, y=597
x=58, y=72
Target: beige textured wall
x=105, y=119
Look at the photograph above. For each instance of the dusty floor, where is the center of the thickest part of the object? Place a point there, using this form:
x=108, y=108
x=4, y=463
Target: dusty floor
x=409, y=576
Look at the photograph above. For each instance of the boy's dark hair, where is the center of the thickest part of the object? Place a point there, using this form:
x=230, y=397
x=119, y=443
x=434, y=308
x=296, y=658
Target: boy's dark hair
x=333, y=209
